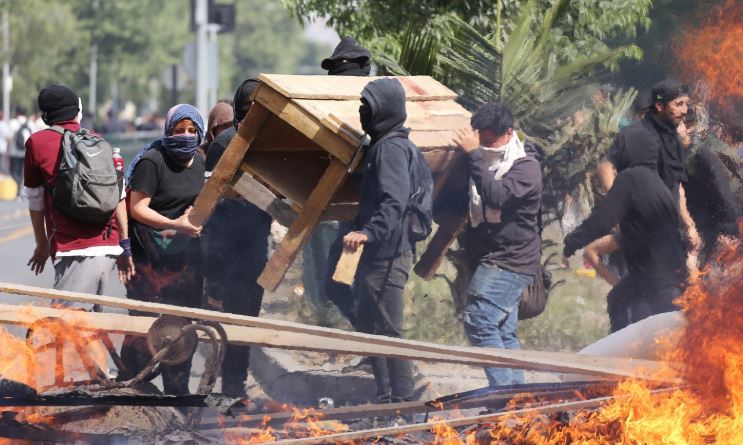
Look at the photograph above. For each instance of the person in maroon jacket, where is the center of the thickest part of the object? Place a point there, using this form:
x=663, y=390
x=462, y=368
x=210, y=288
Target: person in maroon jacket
x=85, y=255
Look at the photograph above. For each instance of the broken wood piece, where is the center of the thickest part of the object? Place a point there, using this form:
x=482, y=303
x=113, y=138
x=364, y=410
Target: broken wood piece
x=435, y=252
x=523, y=359
x=345, y=270
x=258, y=194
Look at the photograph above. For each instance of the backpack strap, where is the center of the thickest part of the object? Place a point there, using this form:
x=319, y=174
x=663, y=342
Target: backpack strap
x=57, y=129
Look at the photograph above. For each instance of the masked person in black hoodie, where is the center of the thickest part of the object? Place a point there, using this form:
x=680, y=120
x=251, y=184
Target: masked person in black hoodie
x=648, y=217
x=235, y=251
x=325, y=246
x=505, y=199
x=382, y=228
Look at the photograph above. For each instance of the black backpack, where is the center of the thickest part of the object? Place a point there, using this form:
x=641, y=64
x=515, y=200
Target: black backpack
x=534, y=297
x=88, y=186
x=420, y=202
x=21, y=135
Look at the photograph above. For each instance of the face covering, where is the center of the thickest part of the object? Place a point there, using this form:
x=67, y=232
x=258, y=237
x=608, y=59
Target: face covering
x=181, y=148
x=365, y=115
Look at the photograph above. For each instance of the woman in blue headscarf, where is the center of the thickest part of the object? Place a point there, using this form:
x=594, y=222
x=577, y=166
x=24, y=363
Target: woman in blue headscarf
x=164, y=179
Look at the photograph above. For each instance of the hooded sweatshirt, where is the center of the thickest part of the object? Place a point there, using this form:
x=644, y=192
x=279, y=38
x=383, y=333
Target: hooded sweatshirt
x=647, y=214
x=385, y=186
x=661, y=140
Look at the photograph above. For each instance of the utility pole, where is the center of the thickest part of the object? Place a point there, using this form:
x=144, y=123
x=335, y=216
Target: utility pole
x=201, y=20
x=7, y=81
x=93, y=78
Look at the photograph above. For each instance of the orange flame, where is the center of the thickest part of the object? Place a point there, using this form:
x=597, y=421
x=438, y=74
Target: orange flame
x=711, y=58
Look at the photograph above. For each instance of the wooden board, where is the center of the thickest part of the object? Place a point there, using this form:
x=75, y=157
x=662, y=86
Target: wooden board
x=236, y=335
x=228, y=164
x=305, y=123
x=345, y=270
x=349, y=87
x=302, y=228
x=536, y=360
x=264, y=199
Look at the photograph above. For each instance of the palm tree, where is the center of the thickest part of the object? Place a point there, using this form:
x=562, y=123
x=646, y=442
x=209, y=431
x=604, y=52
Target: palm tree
x=522, y=71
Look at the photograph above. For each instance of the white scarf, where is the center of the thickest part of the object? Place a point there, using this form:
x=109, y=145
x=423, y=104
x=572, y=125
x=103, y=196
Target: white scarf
x=500, y=161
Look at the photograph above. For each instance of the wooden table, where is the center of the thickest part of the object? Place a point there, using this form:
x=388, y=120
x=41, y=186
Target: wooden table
x=295, y=152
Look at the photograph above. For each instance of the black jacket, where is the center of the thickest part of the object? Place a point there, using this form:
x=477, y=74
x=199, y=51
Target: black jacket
x=649, y=223
x=709, y=196
x=651, y=137
x=385, y=187
x=513, y=244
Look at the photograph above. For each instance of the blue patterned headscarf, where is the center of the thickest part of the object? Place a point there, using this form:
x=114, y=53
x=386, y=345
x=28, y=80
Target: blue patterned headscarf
x=179, y=145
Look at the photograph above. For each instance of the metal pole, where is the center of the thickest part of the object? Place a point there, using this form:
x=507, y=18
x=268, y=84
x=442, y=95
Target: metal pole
x=6, y=69
x=201, y=18
x=93, y=85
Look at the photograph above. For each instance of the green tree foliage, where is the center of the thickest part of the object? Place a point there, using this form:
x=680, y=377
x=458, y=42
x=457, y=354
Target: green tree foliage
x=51, y=41
x=266, y=40
x=137, y=41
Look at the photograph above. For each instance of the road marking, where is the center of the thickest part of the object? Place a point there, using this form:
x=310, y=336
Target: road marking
x=20, y=233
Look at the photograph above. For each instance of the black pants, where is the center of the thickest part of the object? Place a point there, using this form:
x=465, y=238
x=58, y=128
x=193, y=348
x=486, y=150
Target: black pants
x=635, y=298
x=231, y=284
x=338, y=293
x=380, y=286
x=173, y=280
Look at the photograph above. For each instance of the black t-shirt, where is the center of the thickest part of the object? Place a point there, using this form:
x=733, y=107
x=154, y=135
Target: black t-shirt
x=217, y=147
x=171, y=187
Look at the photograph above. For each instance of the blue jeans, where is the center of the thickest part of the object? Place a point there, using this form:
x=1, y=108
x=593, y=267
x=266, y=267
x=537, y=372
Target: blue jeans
x=491, y=314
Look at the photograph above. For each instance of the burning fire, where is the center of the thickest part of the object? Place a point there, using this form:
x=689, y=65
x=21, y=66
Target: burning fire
x=713, y=52
x=54, y=354
x=706, y=408
x=304, y=422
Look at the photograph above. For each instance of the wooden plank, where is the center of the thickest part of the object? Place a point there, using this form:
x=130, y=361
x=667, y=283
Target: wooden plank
x=350, y=108
x=228, y=164
x=349, y=87
x=236, y=335
x=435, y=252
x=373, y=435
x=345, y=270
x=264, y=199
x=278, y=135
x=301, y=229
x=306, y=123
x=536, y=360
x=430, y=140
x=293, y=175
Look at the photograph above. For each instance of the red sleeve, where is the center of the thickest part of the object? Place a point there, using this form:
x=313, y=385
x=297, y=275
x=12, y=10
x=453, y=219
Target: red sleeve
x=32, y=176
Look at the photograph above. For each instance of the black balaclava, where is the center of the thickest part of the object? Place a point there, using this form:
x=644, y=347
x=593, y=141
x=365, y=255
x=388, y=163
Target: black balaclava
x=58, y=103
x=348, y=59
x=242, y=102
x=382, y=109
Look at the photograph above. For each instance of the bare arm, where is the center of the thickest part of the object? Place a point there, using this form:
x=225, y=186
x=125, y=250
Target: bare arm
x=141, y=211
x=593, y=253
x=606, y=173
x=688, y=222
x=41, y=251
x=124, y=262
